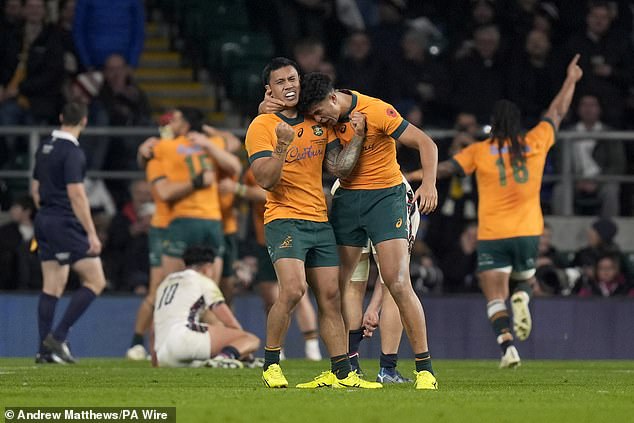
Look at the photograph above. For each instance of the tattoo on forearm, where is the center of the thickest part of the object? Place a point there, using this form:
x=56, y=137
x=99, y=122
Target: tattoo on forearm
x=331, y=160
x=280, y=152
x=348, y=157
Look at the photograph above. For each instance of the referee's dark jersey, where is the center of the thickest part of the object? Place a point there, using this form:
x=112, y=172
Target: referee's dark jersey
x=60, y=236
x=59, y=161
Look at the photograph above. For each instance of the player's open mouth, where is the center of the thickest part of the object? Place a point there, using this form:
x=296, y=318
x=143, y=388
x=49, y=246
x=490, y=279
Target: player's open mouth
x=291, y=95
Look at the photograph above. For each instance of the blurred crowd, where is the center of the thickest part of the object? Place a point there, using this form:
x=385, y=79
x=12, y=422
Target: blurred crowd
x=442, y=64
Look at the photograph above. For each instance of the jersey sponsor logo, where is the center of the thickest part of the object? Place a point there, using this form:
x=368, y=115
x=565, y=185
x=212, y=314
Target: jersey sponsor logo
x=300, y=132
x=47, y=149
x=318, y=130
x=295, y=154
x=399, y=223
x=390, y=112
x=287, y=243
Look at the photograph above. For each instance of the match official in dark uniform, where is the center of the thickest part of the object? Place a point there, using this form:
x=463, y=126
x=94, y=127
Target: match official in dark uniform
x=65, y=233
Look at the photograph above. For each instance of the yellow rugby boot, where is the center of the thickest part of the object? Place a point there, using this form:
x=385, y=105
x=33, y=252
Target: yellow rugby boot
x=324, y=380
x=354, y=381
x=425, y=380
x=273, y=377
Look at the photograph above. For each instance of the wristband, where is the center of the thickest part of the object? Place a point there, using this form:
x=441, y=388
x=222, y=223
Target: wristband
x=197, y=181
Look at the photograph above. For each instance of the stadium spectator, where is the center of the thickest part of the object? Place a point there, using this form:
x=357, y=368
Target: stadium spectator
x=600, y=241
x=20, y=267
x=11, y=14
x=608, y=279
x=66, y=10
x=299, y=19
x=459, y=264
x=533, y=76
x=65, y=233
x=607, y=57
x=417, y=76
x=458, y=196
x=509, y=214
x=185, y=333
x=478, y=78
x=33, y=70
x=309, y=53
x=126, y=250
x=480, y=13
x=550, y=264
x=389, y=30
x=590, y=158
x=120, y=102
x=103, y=28
x=359, y=67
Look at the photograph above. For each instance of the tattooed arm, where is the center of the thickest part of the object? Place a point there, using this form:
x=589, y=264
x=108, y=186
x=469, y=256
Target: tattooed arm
x=341, y=160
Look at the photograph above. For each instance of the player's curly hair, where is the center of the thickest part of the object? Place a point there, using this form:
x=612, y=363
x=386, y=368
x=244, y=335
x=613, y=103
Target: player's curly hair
x=315, y=87
x=197, y=255
x=506, y=125
x=278, y=63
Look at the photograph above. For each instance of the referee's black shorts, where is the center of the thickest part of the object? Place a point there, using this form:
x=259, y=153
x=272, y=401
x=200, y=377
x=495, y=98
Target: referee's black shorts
x=60, y=238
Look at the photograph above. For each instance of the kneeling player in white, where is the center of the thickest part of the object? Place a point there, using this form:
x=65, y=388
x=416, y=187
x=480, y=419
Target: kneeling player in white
x=182, y=338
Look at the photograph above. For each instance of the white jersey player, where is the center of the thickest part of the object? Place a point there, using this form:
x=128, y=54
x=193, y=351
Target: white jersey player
x=185, y=331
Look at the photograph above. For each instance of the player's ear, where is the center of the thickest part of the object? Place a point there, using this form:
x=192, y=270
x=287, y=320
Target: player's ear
x=267, y=87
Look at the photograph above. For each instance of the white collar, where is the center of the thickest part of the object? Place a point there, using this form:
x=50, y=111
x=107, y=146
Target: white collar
x=59, y=134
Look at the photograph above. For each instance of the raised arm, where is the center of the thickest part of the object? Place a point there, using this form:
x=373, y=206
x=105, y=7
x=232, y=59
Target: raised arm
x=268, y=170
x=415, y=138
x=340, y=160
x=561, y=103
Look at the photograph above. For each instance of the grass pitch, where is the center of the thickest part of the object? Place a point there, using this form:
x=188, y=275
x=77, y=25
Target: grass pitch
x=470, y=391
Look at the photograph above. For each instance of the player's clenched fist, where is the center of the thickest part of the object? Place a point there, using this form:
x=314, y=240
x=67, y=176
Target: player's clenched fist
x=285, y=135
x=357, y=120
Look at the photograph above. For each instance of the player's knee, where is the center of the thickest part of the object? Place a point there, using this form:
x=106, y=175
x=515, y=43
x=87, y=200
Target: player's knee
x=96, y=284
x=292, y=293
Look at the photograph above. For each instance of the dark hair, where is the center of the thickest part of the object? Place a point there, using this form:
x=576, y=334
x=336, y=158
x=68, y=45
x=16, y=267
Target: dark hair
x=506, y=124
x=315, y=87
x=27, y=203
x=197, y=255
x=192, y=116
x=278, y=63
x=73, y=113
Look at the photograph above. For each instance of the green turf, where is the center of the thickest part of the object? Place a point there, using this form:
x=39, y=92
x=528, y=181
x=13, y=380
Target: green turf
x=470, y=391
